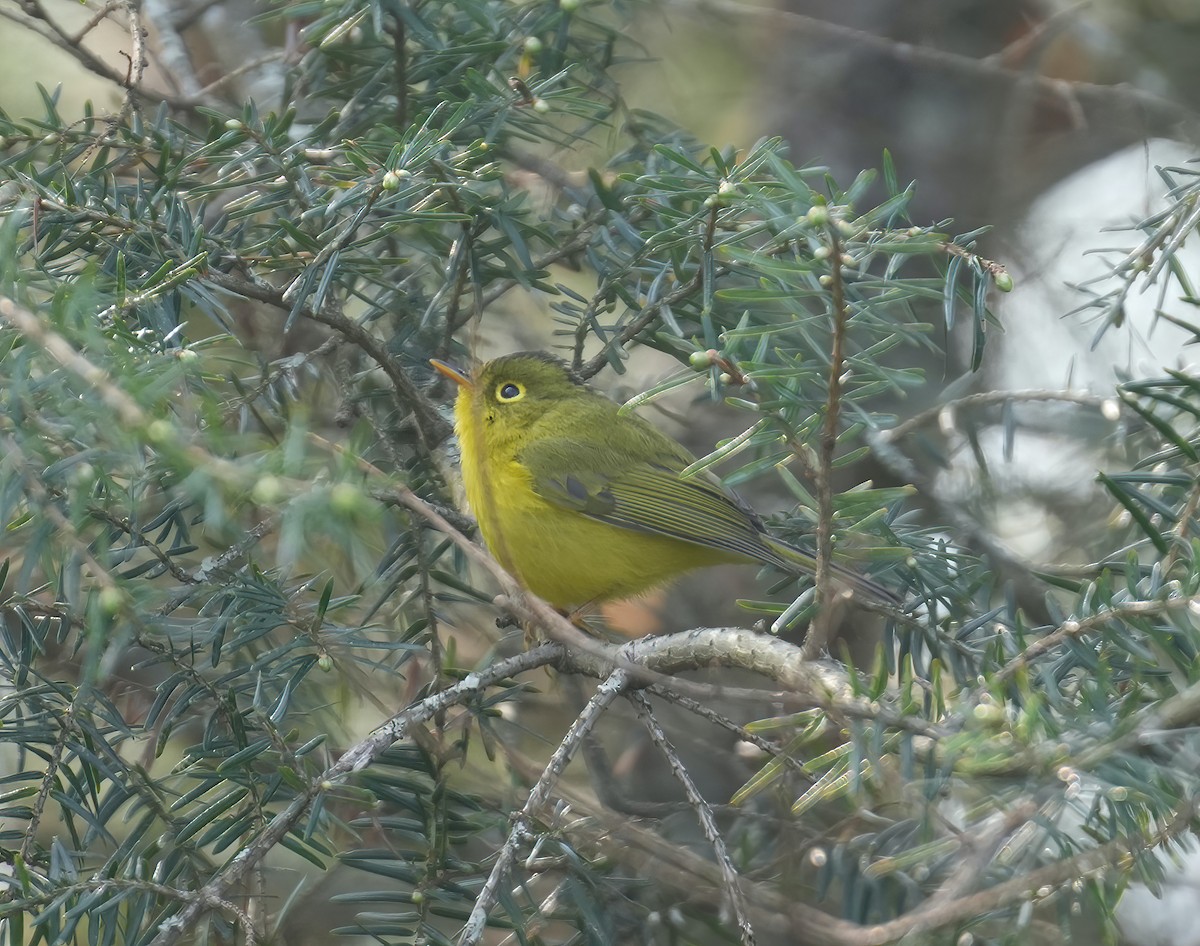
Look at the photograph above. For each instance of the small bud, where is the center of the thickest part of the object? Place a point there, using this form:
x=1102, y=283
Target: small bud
x=817, y=215
x=987, y=714
x=821, y=252
x=346, y=499
x=826, y=281
x=325, y=662
x=160, y=431
x=700, y=359
x=1003, y=282
x=234, y=124
x=267, y=491
x=569, y=6
x=391, y=181
x=112, y=600
x=533, y=45
x=541, y=105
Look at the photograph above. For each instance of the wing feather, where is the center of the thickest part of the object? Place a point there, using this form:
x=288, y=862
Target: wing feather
x=644, y=496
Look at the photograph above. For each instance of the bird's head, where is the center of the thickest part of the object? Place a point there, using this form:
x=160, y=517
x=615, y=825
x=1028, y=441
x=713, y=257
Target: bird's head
x=509, y=394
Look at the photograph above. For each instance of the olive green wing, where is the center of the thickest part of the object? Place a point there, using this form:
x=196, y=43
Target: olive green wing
x=645, y=493
x=640, y=489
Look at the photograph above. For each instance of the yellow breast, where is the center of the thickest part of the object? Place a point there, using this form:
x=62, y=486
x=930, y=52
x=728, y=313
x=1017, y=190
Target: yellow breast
x=561, y=555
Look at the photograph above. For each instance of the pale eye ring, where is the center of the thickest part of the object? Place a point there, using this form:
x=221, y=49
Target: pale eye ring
x=510, y=391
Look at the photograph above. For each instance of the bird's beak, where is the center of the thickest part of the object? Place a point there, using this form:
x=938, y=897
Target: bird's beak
x=451, y=372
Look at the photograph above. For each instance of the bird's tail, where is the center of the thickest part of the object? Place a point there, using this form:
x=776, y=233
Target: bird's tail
x=792, y=559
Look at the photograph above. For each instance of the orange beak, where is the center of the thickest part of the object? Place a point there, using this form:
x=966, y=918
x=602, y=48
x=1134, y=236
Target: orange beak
x=451, y=372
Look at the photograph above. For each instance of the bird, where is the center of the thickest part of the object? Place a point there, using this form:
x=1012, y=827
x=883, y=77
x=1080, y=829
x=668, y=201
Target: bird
x=584, y=503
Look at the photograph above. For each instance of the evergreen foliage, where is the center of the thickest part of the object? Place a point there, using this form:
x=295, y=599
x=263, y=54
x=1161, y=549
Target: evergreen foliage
x=222, y=473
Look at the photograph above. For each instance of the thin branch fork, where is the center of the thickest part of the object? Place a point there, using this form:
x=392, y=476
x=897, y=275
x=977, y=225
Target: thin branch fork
x=358, y=757
x=704, y=814
x=605, y=695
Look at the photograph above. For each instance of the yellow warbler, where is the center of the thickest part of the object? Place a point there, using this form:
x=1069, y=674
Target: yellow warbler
x=584, y=504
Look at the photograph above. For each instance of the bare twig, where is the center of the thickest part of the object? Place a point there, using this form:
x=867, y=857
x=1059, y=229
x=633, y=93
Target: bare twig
x=1102, y=97
x=44, y=27
x=704, y=814
x=992, y=398
x=137, y=59
x=600, y=769
x=1184, y=525
x=741, y=732
x=603, y=698
x=95, y=20
x=49, y=778
x=822, y=625
x=1071, y=629
x=205, y=94
x=646, y=317
x=399, y=35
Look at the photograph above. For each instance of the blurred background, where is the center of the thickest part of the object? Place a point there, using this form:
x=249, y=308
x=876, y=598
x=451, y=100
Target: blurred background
x=1042, y=119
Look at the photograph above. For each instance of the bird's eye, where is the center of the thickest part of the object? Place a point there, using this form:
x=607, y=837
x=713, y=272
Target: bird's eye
x=510, y=391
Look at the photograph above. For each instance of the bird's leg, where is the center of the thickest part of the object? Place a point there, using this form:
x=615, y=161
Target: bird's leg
x=579, y=617
x=576, y=617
